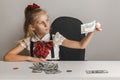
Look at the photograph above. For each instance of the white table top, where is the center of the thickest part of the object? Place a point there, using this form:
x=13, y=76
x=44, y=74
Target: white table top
x=78, y=71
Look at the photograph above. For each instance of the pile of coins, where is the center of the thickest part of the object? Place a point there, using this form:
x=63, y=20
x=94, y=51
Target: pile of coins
x=47, y=67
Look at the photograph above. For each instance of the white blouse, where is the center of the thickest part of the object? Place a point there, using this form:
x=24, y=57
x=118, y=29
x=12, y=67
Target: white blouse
x=26, y=44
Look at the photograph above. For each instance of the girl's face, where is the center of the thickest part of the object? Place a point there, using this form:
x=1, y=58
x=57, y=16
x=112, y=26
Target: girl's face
x=41, y=23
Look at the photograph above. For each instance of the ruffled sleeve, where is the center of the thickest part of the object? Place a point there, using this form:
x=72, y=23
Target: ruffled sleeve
x=25, y=43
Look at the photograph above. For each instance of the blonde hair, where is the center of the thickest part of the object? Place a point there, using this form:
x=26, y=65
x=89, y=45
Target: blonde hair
x=29, y=19
x=30, y=13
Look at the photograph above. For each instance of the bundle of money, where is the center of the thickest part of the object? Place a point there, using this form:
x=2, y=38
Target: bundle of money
x=88, y=27
x=47, y=67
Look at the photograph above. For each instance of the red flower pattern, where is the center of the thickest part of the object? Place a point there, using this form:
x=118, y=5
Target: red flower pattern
x=41, y=49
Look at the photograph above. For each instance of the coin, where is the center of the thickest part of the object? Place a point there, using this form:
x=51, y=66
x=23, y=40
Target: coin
x=15, y=68
x=68, y=70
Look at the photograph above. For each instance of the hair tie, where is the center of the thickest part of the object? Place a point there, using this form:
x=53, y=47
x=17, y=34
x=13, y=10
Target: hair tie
x=32, y=7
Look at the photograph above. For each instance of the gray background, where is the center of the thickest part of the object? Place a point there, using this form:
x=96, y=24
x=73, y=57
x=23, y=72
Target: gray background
x=104, y=45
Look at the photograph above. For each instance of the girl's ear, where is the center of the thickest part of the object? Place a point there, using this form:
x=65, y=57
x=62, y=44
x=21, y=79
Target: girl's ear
x=31, y=27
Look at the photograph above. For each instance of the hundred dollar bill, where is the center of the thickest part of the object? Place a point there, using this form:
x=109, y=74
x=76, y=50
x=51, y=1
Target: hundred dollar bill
x=88, y=27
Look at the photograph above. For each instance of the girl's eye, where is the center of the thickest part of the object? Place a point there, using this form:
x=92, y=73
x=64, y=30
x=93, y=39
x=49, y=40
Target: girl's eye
x=40, y=22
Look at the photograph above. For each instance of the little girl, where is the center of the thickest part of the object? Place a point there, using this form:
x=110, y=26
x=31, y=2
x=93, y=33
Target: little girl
x=37, y=38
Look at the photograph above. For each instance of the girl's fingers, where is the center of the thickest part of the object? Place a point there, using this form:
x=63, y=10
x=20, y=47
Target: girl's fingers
x=43, y=60
x=98, y=27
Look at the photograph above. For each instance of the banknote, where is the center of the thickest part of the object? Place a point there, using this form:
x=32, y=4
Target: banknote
x=88, y=27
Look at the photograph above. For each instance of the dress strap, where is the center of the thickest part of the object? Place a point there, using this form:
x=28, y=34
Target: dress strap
x=52, y=48
x=31, y=48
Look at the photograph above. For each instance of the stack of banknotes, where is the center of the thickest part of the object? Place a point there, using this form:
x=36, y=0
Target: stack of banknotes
x=47, y=67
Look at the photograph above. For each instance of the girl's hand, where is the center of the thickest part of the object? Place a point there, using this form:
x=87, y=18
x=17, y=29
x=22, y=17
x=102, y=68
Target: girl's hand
x=42, y=59
x=35, y=59
x=97, y=27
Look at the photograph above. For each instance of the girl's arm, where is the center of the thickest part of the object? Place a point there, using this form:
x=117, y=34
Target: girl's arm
x=78, y=44
x=84, y=42
x=13, y=55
